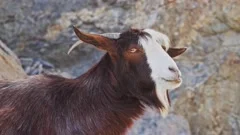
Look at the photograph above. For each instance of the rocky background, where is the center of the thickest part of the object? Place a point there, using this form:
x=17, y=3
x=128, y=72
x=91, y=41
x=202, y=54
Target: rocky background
x=39, y=32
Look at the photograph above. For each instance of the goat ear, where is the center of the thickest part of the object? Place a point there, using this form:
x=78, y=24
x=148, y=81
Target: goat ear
x=99, y=41
x=173, y=52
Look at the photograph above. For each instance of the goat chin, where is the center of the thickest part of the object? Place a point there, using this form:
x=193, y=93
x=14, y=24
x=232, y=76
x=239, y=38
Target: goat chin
x=163, y=95
x=163, y=98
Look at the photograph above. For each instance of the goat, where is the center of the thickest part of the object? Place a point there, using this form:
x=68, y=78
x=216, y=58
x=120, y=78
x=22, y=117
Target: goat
x=137, y=71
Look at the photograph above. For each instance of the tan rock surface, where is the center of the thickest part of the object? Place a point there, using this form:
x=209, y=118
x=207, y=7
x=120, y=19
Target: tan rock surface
x=213, y=107
x=208, y=99
x=10, y=67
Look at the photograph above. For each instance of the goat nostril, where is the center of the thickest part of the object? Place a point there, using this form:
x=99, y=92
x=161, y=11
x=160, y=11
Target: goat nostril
x=179, y=76
x=172, y=69
x=175, y=71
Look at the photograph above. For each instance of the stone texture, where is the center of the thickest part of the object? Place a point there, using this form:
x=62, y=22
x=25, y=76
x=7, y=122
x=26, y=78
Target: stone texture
x=213, y=108
x=153, y=124
x=10, y=68
x=207, y=100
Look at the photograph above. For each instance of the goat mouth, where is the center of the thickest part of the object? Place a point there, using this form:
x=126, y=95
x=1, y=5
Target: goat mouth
x=179, y=80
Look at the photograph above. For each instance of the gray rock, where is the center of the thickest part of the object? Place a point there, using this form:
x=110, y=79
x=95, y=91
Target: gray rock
x=153, y=124
x=210, y=29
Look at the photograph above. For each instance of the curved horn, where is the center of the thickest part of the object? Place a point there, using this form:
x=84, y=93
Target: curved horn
x=108, y=35
x=111, y=35
x=74, y=46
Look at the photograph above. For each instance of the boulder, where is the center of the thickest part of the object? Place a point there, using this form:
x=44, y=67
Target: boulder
x=207, y=101
x=10, y=66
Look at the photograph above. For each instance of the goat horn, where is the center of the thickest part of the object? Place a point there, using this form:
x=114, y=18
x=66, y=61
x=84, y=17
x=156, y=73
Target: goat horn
x=74, y=46
x=108, y=35
x=111, y=35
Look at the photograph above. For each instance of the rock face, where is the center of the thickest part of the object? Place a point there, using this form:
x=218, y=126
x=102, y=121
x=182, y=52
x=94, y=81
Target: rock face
x=153, y=124
x=213, y=108
x=207, y=100
x=10, y=68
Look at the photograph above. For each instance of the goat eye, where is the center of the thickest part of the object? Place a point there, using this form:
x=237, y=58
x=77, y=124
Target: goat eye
x=133, y=50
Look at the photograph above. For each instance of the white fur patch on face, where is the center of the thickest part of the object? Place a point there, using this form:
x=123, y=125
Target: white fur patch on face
x=159, y=62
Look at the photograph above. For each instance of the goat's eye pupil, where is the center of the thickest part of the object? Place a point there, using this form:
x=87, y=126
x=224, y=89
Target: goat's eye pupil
x=133, y=50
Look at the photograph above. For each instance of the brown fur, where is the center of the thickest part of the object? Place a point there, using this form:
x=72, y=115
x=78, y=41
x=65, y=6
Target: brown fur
x=103, y=101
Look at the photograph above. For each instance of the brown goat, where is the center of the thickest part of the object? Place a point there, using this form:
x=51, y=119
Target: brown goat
x=136, y=71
